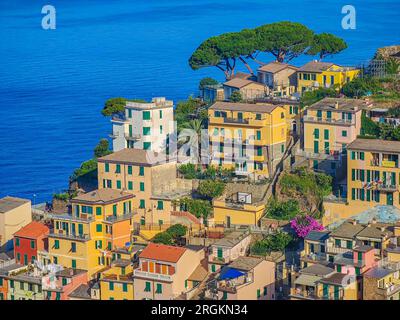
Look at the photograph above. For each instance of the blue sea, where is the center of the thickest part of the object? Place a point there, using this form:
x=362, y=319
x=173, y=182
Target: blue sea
x=53, y=83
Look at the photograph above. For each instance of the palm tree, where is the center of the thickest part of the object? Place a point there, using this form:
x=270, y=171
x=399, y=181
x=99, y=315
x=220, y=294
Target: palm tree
x=191, y=134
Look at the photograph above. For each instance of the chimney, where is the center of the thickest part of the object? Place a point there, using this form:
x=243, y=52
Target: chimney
x=354, y=222
x=71, y=272
x=373, y=221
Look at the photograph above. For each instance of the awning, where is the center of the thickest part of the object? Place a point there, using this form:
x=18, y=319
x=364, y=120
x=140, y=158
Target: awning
x=230, y=273
x=307, y=280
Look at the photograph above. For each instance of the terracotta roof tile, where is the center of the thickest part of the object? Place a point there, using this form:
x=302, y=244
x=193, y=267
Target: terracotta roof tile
x=32, y=230
x=162, y=252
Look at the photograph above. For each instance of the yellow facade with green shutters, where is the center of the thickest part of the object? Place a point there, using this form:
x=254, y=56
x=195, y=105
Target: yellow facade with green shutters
x=84, y=239
x=251, y=138
x=373, y=173
x=117, y=283
x=327, y=76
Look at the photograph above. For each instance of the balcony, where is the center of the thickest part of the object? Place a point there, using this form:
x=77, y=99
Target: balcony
x=122, y=217
x=233, y=285
x=340, y=122
x=133, y=137
x=310, y=154
x=118, y=118
x=69, y=236
x=375, y=162
x=390, y=289
x=153, y=276
x=113, y=135
x=386, y=187
x=70, y=218
x=236, y=121
x=336, y=250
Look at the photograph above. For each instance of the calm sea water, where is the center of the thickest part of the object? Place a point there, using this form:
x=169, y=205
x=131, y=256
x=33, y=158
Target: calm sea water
x=53, y=83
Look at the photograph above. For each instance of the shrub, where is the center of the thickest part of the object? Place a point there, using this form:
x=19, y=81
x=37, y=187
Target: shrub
x=304, y=224
x=200, y=208
x=274, y=242
x=283, y=210
x=102, y=149
x=211, y=188
x=206, y=82
x=188, y=171
x=87, y=167
x=177, y=231
x=236, y=96
x=164, y=238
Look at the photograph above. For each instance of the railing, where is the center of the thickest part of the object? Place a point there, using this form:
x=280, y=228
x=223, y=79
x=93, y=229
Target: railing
x=119, y=218
x=70, y=236
x=113, y=135
x=83, y=218
x=309, y=153
x=384, y=163
x=313, y=256
x=328, y=120
x=118, y=118
x=392, y=288
x=155, y=276
x=133, y=137
x=333, y=249
x=236, y=120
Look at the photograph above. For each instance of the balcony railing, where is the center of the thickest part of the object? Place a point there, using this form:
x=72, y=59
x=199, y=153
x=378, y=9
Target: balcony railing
x=122, y=217
x=328, y=120
x=309, y=153
x=333, y=249
x=236, y=120
x=384, y=163
x=150, y=275
x=71, y=236
x=133, y=137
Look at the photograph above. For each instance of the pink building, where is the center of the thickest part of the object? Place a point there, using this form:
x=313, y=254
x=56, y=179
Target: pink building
x=227, y=249
x=246, y=278
x=65, y=282
x=165, y=272
x=357, y=261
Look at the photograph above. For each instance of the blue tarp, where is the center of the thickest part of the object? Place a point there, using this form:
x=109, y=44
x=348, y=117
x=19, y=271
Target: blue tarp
x=230, y=273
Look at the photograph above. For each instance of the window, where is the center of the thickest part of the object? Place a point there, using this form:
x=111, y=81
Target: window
x=114, y=209
x=73, y=264
x=319, y=113
x=17, y=242
x=142, y=186
x=130, y=185
x=326, y=134
x=56, y=244
x=282, y=115
x=55, y=260
x=146, y=131
x=146, y=115
x=160, y=205
x=186, y=283
x=146, y=145
x=219, y=253
x=32, y=244
x=213, y=269
x=339, y=268
x=313, y=76
x=338, y=243
x=224, y=295
x=141, y=171
x=107, y=167
x=118, y=184
x=282, y=148
x=142, y=204
x=316, y=133
x=129, y=169
x=125, y=287
x=258, y=116
x=73, y=247
x=111, y=286
x=160, y=114
x=258, y=293
x=258, y=135
x=349, y=244
x=99, y=227
x=161, y=129
x=159, y=288
x=64, y=281
x=18, y=257
x=118, y=168
x=265, y=291
x=344, y=133
x=147, y=287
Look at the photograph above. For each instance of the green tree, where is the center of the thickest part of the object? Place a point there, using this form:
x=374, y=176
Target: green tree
x=102, y=149
x=117, y=106
x=392, y=66
x=326, y=44
x=368, y=126
x=284, y=210
x=274, y=242
x=211, y=188
x=177, y=231
x=200, y=208
x=236, y=96
x=310, y=97
x=284, y=40
x=360, y=87
x=164, y=238
x=207, y=82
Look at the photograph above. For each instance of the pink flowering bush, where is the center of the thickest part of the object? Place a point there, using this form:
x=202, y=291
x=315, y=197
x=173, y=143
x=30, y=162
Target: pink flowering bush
x=302, y=225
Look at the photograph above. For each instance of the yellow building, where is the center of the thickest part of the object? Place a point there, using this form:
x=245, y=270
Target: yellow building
x=329, y=126
x=373, y=173
x=15, y=213
x=293, y=112
x=248, y=137
x=150, y=176
x=100, y=221
x=316, y=74
x=241, y=204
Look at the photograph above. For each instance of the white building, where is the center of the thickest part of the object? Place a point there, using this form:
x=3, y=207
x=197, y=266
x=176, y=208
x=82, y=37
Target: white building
x=145, y=126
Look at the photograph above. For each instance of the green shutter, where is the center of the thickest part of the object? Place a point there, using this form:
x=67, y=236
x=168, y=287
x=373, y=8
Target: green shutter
x=142, y=186
x=362, y=156
x=316, y=133
x=141, y=171
x=146, y=131
x=129, y=169
x=130, y=185
x=326, y=134
x=98, y=211
x=146, y=115
x=118, y=184
x=353, y=194
x=362, y=175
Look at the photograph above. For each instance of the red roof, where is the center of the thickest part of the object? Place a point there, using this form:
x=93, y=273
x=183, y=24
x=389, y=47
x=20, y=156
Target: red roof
x=162, y=252
x=32, y=230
